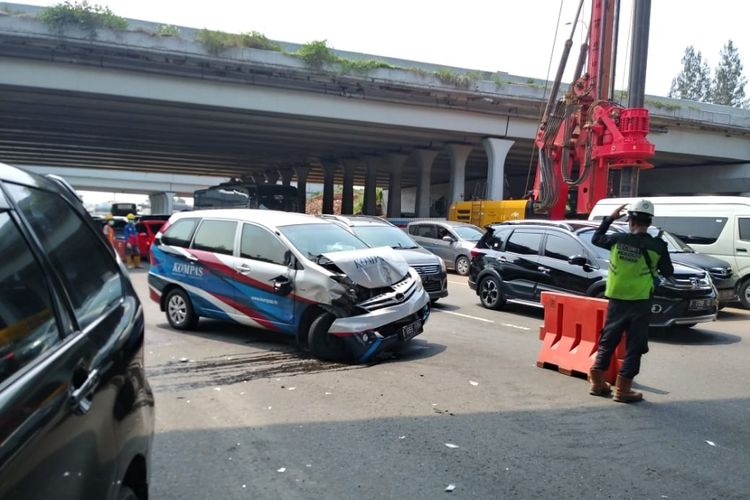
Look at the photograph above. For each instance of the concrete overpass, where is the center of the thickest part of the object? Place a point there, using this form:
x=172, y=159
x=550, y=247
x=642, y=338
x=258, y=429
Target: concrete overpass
x=134, y=100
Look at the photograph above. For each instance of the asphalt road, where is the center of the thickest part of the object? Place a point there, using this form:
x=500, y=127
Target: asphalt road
x=248, y=416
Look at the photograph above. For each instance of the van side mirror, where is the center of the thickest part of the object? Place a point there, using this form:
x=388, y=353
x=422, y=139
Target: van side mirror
x=448, y=238
x=578, y=260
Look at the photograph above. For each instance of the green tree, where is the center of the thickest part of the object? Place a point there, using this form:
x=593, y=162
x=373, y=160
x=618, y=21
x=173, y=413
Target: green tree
x=693, y=83
x=729, y=85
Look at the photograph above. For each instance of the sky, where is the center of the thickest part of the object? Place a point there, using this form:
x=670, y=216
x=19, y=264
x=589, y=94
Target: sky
x=513, y=36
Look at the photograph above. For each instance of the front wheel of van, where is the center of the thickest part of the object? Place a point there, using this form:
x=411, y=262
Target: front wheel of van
x=743, y=292
x=179, y=310
x=322, y=344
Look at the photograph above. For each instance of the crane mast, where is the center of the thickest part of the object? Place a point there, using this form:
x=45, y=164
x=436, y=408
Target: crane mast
x=586, y=134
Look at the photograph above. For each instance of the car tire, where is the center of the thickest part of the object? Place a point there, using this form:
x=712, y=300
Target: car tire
x=323, y=345
x=126, y=493
x=462, y=265
x=743, y=292
x=490, y=293
x=179, y=310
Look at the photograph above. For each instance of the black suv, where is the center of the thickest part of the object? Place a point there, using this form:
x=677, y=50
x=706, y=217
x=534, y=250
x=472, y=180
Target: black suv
x=518, y=261
x=76, y=411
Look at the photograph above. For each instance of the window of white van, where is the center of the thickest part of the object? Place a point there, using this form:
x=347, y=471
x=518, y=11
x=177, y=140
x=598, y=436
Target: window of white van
x=215, y=236
x=698, y=230
x=744, y=224
x=259, y=244
x=178, y=234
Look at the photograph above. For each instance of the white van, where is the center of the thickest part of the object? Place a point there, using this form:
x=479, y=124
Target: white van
x=713, y=225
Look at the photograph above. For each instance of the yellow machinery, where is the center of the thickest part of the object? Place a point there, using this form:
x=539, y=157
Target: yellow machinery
x=483, y=212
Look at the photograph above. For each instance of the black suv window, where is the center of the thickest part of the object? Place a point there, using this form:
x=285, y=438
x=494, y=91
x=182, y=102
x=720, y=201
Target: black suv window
x=259, y=244
x=562, y=247
x=215, y=236
x=88, y=271
x=494, y=239
x=179, y=233
x=525, y=243
x=27, y=320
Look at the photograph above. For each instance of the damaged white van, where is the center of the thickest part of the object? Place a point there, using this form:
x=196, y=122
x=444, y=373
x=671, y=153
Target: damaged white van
x=289, y=273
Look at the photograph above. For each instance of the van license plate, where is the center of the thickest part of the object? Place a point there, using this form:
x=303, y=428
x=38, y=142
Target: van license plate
x=696, y=304
x=411, y=330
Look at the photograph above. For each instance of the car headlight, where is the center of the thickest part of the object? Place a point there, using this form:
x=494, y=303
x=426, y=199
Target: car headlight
x=442, y=266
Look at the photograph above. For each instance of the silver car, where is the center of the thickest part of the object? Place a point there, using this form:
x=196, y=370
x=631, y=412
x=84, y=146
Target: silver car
x=451, y=241
x=377, y=232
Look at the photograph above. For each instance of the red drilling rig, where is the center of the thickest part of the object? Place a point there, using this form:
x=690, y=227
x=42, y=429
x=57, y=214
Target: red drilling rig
x=585, y=135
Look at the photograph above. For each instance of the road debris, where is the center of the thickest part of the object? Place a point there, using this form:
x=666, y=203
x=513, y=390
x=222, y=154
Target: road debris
x=402, y=437
x=710, y=443
x=292, y=388
x=451, y=445
x=282, y=469
x=474, y=383
x=450, y=488
x=217, y=388
x=184, y=360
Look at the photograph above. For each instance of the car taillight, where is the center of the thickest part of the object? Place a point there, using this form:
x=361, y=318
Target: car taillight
x=474, y=252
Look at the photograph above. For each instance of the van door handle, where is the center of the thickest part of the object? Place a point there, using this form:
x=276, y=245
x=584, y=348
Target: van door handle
x=80, y=397
x=243, y=268
x=741, y=250
x=543, y=269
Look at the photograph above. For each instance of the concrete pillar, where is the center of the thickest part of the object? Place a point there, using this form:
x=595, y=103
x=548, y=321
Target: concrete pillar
x=302, y=172
x=347, y=194
x=424, y=158
x=329, y=171
x=458, y=153
x=497, y=151
x=370, y=203
x=162, y=203
x=395, y=165
x=272, y=176
x=286, y=176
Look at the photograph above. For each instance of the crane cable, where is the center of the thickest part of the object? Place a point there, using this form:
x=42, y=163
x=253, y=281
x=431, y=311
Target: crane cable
x=546, y=84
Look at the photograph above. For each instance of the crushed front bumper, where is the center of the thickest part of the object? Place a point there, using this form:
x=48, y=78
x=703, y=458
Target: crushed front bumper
x=381, y=329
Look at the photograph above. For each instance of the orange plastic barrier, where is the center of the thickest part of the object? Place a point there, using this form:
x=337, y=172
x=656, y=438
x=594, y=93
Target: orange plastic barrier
x=570, y=334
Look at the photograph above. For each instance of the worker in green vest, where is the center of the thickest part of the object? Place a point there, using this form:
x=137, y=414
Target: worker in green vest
x=635, y=258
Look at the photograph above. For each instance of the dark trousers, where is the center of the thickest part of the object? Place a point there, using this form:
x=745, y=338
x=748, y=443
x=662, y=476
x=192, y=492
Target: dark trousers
x=632, y=316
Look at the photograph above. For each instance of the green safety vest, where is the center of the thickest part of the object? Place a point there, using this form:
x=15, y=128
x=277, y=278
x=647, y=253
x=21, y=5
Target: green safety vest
x=629, y=277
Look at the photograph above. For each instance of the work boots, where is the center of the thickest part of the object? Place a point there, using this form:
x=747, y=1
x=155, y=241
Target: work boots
x=624, y=393
x=599, y=386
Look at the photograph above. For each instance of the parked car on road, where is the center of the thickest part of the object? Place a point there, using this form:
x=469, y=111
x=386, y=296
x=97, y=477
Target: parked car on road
x=516, y=262
x=449, y=240
x=76, y=410
x=377, y=232
x=295, y=274
x=147, y=227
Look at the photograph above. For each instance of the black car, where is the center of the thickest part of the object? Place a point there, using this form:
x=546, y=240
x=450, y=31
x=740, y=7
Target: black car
x=517, y=262
x=76, y=411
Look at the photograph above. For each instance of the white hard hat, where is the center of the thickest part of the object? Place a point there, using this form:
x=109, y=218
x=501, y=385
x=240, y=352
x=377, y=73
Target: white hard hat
x=642, y=207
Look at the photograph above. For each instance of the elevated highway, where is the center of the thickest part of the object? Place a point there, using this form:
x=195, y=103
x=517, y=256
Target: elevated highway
x=134, y=100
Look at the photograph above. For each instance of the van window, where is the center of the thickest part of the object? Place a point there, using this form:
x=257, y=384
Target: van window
x=698, y=230
x=744, y=224
x=88, y=271
x=27, y=320
x=215, y=236
x=179, y=233
x=524, y=243
x=259, y=244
